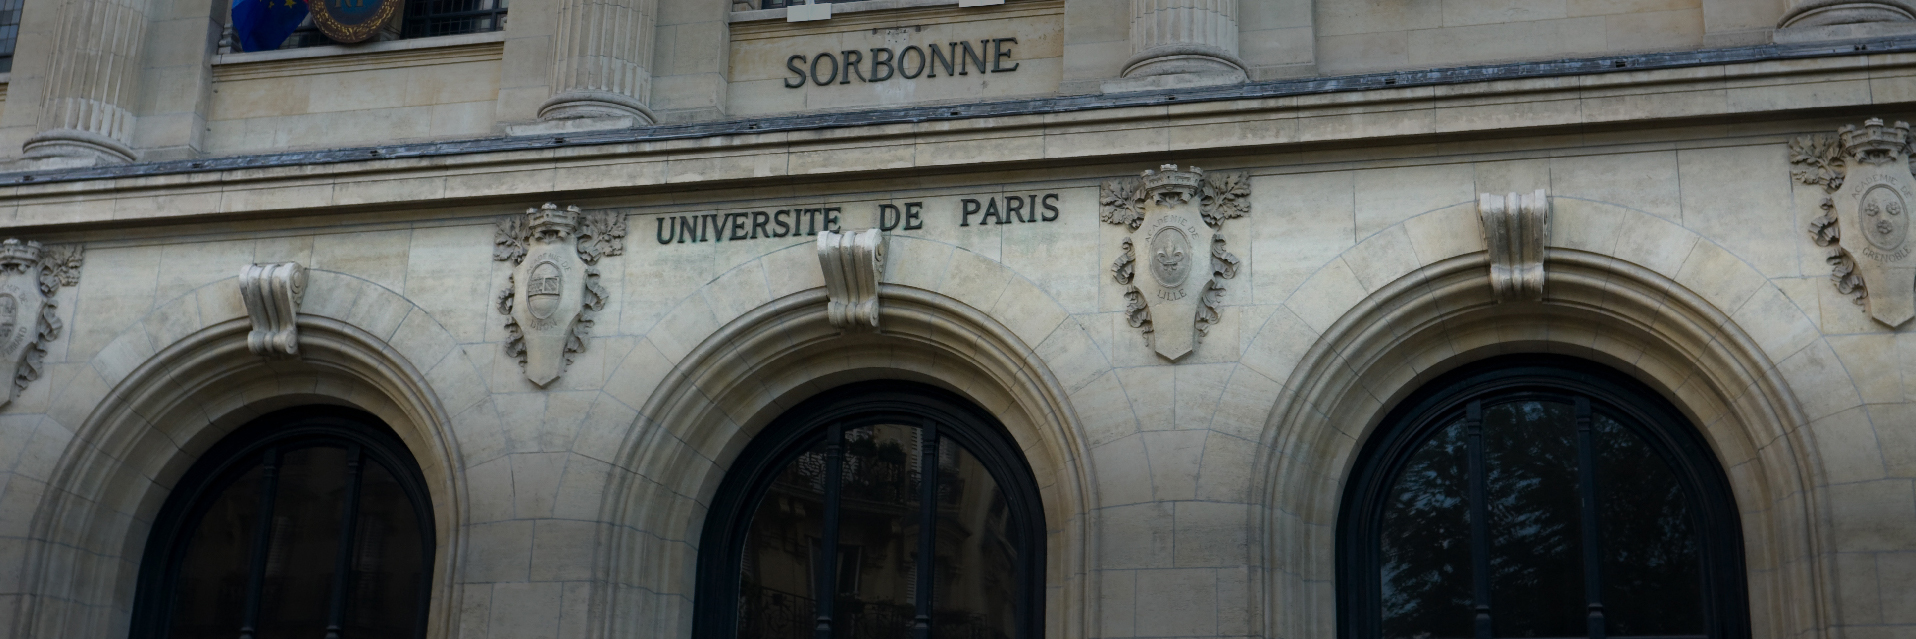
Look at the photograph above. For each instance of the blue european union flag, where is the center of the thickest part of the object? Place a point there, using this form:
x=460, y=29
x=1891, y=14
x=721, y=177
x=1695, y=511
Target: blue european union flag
x=263, y=24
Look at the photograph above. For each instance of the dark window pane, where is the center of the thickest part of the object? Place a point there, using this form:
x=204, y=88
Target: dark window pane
x=211, y=598
x=775, y=576
x=976, y=562
x=388, y=559
x=878, y=533
x=305, y=535
x=1652, y=566
x=1536, y=547
x=1425, y=550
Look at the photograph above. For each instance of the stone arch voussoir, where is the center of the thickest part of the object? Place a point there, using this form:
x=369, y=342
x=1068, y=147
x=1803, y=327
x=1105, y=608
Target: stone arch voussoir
x=1368, y=329
x=164, y=390
x=724, y=370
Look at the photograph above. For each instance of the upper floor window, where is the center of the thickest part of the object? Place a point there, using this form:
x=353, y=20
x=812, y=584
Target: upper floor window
x=1539, y=498
x=310, y=522
x=420, y=19
x=879, y=511
x=9, y=32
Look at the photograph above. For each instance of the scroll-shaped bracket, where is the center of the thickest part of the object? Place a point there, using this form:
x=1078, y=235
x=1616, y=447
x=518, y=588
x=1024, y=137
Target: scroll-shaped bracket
x=1516, y=228
x=852, y=262
x=272, y=293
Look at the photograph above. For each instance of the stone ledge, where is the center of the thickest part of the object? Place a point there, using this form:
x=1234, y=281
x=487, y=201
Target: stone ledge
x=378, y=55
x=975, y=136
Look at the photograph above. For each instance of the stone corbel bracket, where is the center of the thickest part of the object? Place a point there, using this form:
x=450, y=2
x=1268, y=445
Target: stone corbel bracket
x=853, y=262
x=272, y=293
x=1516, y=229
x=30, y=275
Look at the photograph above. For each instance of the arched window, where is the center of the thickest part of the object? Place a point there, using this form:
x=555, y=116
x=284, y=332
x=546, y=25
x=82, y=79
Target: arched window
x=885, y=510
x=309, y=522
x=1539, y=497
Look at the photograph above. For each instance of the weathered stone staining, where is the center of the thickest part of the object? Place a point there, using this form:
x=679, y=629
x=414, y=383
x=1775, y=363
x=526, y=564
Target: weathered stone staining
x=1175, y=219
x=272, y=293
x=852, y=262
x=1516, y=229
x=554, y=289
x=1866, y=174
x=30, y=275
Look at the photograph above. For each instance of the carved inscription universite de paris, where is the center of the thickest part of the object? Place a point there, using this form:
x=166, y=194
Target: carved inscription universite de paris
x=800, y=222
x=909, y=63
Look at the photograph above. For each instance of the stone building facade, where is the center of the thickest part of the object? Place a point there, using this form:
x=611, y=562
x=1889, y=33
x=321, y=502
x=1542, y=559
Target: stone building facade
x=581, y=269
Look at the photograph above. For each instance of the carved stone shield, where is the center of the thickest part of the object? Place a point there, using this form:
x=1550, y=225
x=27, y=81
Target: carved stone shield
x=1174, y=242
x=550, y=293
x=1174, y=218
x=1872, y=215
x=20, y=307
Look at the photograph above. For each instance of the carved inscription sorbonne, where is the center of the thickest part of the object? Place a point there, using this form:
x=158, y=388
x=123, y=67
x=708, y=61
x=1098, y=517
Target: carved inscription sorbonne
x=908, y=63
x=1175, y=219
x=1866, y=177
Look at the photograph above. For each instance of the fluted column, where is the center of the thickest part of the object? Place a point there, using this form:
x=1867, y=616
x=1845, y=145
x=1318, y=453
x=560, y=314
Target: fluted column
x=92, y=83
x=602, y=66
x=1184, y=36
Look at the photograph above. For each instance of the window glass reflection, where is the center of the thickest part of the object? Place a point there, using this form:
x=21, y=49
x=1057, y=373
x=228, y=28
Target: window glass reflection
x=1426, y=543
x=1652, y=566
x=303, y=542
x=976, y=559
x=1536, y=539
x=776, y=578
x=878, y=564
x=388, y=561
x=213, y=578
x=310, y=486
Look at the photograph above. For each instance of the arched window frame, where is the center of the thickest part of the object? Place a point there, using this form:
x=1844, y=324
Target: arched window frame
x=227, y=460
x=1646, y=413
x=728, y=522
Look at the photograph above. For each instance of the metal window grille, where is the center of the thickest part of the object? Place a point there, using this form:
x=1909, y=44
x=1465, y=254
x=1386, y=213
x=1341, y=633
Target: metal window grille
x=9, y=32
x=427, y=18
x=422, y=19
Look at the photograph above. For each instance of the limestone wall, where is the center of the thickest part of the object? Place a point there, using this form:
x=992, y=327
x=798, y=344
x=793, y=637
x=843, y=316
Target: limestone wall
x=1187, y=498
x=711, y=62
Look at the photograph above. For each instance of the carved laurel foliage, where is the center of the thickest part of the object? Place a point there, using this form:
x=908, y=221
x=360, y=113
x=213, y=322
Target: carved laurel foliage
x=1119, y=202
x=60, y=266
x=509, y=239
x=1226, y=195
x=1818, y=159
x=601, y=233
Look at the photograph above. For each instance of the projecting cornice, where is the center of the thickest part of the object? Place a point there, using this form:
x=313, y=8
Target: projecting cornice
x=1402, y=108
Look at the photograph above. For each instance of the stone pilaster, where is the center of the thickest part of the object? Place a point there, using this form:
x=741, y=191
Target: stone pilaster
x=602, y=61
x=1196, y=39
x=92, y=83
